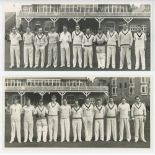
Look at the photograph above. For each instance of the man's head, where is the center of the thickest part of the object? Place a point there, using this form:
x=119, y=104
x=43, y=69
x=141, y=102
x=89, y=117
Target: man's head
x=76, y=102
x=77, y=27
x=53, y=98
x=125, y=26
x=99, y=103
x=65, y=101
x=52, y=29
x=88, y=31
x=111, y=100
x=100, y=31
x=137, y=98
x=14, y=29
x=16, y=100
x=123, y=100
x=41, y=102
x=28, y=103
x=64, y=28
x=111, y=28
x=87, y=101
x=40, y=30
x=28, y=29
x=139, y=28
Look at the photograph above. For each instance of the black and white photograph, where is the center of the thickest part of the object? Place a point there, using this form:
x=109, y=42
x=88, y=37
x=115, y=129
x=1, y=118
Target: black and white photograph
x=78, y=112
x=77, y=37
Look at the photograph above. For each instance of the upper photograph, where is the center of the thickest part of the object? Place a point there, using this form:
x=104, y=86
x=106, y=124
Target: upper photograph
x=77, y=37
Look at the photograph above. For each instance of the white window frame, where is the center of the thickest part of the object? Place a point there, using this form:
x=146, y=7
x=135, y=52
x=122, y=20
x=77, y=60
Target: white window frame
x=133, y=92
x=114, y=93
x=146, y=89
x=144, y=81
x=114, y=81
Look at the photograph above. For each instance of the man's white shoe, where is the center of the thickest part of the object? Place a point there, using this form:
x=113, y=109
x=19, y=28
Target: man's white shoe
x=47, y=66
x=25, y=141
x=35, y=66
x=11, y=66
x=11, y=141
x=80, y=140
x=31, y=141
x=74, y=140
x=143, y=140
x=136, y=140
x=120, y=140
x=50, y=140
x=38, y=141
x=25, y=66
x=128, y=140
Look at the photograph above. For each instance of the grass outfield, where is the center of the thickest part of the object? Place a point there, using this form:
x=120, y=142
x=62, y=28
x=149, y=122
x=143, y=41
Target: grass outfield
x=7, y=61
x=83, y=144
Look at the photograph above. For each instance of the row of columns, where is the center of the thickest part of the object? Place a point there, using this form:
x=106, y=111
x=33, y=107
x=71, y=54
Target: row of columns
x=61, y=93
x=76, y=19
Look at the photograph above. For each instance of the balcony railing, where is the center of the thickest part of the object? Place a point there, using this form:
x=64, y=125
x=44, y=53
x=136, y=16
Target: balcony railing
x=56, y=88
x=82, y=14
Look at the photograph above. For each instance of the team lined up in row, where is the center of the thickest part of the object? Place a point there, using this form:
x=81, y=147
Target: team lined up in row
x=47, y=120
x=82, y=47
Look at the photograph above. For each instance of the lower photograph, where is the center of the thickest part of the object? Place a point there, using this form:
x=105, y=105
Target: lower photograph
x=93, y=112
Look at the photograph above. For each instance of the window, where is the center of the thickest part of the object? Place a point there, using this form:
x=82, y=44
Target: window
x=114, y=81
x=144, y=89
x=114, y=91
x=120, y=85
x=92, y=100
x=134, y=27
x=125, y=85
x=131, y=80
x=143, y=80
x=131, y=90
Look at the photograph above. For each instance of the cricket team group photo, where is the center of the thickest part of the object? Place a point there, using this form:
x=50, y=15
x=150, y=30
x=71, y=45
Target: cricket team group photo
x=89, y=111
x=83, y=44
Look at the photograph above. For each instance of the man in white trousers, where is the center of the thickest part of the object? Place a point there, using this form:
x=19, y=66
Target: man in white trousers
x=111, y=113
x=77, y=37
x=28, y=111
x=124, y=115
x=53, y=39
x=28, y=39
x=65, y=112
x=100, y=39
x=15, y=112
x=140, y=47
x=87, y=45
x=40, y=42
x=15, y=38
x=99, y=113
x=125, y=41
x=112, y=38
x=53, y=109
x=77, y=121
x=138, y=114
x=65, y=40
x=41, y=113
x=88, y=115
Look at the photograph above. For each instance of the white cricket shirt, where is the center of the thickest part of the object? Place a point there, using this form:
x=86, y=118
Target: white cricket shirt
x=124, y=110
